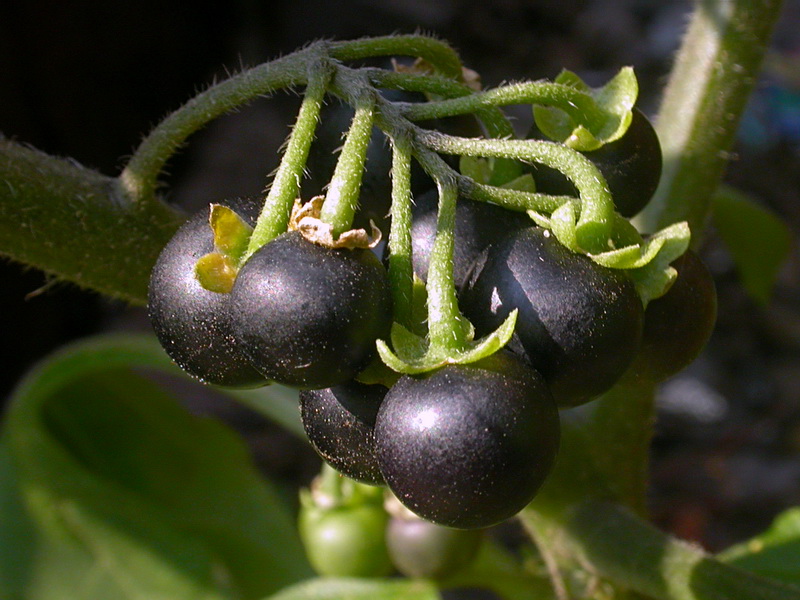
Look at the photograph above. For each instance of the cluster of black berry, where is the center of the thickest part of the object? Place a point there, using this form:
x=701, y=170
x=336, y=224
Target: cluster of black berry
x=466, y=445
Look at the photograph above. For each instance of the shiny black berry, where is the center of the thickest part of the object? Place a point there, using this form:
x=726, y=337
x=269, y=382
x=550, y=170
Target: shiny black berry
x=579, y=324
x=194, y=324
x=340, y=422
x=308, y=316
x=468, y=446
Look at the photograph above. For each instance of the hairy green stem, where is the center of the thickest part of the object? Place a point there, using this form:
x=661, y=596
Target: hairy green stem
x=597, y=207
x=77, y=224
x=708, y=88
x=578, y=104
x=515, y=200
x=401, y=273
x=274, y=217
x=444, y=318
x=437, y=53
x=341, y=201
x=496, y=122
x=140, y=176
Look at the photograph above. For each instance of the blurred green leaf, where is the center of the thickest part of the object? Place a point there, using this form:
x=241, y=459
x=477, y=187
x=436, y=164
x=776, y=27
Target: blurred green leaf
x=757, y=239
x=130, y=496
x=360, y=589
x=774, y=553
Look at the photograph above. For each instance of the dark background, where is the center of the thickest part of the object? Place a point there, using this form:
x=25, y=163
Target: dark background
x=88, y=79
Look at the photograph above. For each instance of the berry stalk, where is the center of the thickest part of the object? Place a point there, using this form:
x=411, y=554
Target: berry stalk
x=274, y=217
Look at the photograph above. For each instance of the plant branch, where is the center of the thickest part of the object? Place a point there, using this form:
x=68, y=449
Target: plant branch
x=437, y=53
x=628, y=551
x=274, y=217
x=714, y=73
x=77, y=224
x=140, y=176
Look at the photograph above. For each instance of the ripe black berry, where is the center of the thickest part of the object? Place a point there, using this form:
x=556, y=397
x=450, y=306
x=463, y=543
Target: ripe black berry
x=307, y=315
x=192, y=323
x=340, y=422
x=579, y=324
x=468, y=446
x=678, y=325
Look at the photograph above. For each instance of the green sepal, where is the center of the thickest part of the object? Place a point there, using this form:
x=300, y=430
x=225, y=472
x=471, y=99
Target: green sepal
x=654, y=279
x=216, y=272
x=614, y=102
x=413, y=354
x=672, y=241
x=563, y=224
x=377, y=373
x=500, y=172
x=647, y=262
x=231, y=233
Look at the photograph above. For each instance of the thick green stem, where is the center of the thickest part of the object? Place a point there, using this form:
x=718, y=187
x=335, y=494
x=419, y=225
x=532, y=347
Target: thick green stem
x=341, y=201
x=401, y=273
x=274, y=217
x=78, y=224
x=714, y=73
x=624, y=549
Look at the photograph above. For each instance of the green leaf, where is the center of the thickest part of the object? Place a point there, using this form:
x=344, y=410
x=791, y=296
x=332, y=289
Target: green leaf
x=614, y=102
x=663, y=246
x=523, y=183
x=757, y=239
x=414, y=355
x=774, y=553
x=129, y=495
x=478, y=169
x=496, y=569
x=359, y=589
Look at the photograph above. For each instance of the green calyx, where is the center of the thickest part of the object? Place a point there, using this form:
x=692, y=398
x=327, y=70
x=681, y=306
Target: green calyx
x=614, y=102
x=217, y=270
